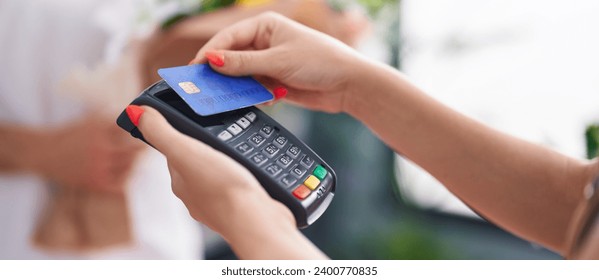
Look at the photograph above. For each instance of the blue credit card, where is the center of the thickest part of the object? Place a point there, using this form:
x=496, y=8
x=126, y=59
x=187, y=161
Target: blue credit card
x=208, y=92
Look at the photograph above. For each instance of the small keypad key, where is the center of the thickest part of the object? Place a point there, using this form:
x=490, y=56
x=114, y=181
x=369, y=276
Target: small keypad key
x=235, y=129
x=271, y=150
x=312, y=182
x=258, y=159
x=280, y=141
x=267, y=130
x=285, y=160
x=307, y=161
x=257, y=139
x=225, y=135
x=273, y=169
x=293, y=151
x=298, y=171
x=320, y=172
x=251, y=116
x=288, y=180
x=243, y=122
x=244, y=148
x=301, y=192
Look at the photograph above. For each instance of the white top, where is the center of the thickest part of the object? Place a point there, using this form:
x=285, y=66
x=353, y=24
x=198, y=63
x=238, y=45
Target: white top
x=40, y=42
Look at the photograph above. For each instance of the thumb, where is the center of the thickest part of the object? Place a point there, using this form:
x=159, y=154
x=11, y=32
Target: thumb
x=155, y=129
x=243, y=63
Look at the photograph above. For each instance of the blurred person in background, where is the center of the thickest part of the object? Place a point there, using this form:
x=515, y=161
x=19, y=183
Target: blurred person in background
x=529, y=190
x=72, y=184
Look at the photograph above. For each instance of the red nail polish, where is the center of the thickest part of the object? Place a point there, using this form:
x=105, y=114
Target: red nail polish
x=134, y=112
x=216, y=58
x=279, y=92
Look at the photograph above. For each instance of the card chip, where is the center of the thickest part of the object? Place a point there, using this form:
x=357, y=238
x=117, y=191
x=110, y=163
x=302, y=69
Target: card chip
x=189, y=87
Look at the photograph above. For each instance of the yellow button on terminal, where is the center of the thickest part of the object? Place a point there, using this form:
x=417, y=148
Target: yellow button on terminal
x=312, y=182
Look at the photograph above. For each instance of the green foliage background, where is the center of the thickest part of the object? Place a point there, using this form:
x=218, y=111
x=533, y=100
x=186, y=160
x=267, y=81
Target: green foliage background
x=592, y=136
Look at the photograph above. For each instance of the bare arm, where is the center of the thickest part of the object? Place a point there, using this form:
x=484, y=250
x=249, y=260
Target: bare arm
x=14, y=141
x=529, y=190
x=90, y=153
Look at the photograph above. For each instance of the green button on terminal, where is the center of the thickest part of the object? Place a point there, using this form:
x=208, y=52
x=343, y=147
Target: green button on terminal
x=320, y=172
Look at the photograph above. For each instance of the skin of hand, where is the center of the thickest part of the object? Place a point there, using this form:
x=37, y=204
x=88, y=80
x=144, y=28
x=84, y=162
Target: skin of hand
x=317, y=69
x=175, y=45
x=525, y=188
x=91, y=153
x=221, y=193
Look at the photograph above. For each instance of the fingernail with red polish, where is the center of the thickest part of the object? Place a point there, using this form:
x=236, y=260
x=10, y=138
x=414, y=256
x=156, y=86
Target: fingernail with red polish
x=216, y=58
x=279, y=92
x=134, y=112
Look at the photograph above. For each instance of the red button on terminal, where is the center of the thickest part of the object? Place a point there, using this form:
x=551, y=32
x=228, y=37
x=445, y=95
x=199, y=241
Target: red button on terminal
x=301, y=192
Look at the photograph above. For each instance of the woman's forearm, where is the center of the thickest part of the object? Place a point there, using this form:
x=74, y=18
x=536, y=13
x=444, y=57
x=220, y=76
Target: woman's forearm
x=525, y=188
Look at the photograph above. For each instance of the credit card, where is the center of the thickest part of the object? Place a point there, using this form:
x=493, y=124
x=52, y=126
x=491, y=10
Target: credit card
x=208, y=92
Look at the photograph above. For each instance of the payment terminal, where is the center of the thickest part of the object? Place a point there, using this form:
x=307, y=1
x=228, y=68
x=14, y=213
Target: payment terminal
x=286, y=167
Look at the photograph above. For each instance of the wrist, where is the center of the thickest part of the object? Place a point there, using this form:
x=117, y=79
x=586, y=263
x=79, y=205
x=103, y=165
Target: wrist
x=35, y=151
x=255, y=215
x=268, y=231
x=18, y=148
x=365, y=85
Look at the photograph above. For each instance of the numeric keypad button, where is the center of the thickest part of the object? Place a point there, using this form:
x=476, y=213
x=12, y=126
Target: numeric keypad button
x=298, y=171
x=273, y=169
x=271, y=150
x=293, y=151
x=280, y=141
x=258, y=159
x=244, y=148
x=257, y=139
x=285, y=160
x=267, y=130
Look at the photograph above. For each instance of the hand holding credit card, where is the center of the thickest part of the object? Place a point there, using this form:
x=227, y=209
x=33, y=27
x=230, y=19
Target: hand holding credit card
x=208, y=92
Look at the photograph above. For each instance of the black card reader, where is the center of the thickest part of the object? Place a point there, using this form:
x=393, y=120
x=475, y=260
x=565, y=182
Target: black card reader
x=286, y=167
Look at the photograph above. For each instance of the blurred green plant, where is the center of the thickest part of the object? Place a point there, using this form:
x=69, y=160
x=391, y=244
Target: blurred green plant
x=212, y=5
x=204, y=7
x=372, y=6
x=408, y=241
x=592, y=137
